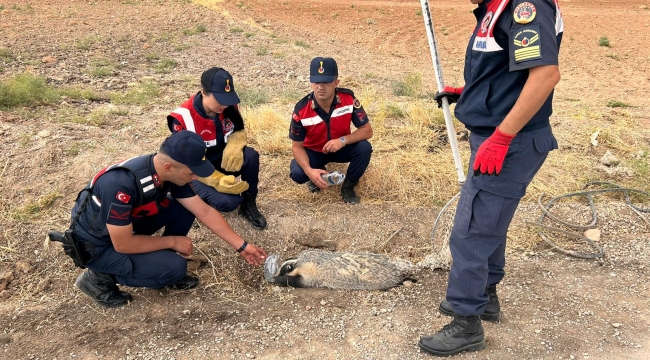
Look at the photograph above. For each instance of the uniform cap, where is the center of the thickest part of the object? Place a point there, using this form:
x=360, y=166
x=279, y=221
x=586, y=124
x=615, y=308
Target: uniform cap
x=219, y=82
x=323, y=69
x=188, y=148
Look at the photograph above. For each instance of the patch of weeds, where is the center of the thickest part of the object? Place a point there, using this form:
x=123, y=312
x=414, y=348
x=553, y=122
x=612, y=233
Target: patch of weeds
x=236, y=30
x=418, y=12
x=410, y=86
x=291, y=96
x=280, y=55
x=612, y=56
x=617, y=104
x=5, y=55
x=196, y=30
x=165, y=65
x=245, y=45
x=130, y=2
x=302, y=44
x=370, y=21
x=370, y=76
x=102, y=67
x=253, y=97
x=76, y=93
x=444, y=31
x=37, y=207
x=86, y=43
x=352, y=6
x=280, y=41
x=2, y=7
x=273, y=36
x=393, y=110
x=644, y=7
x=100, y=72
x=144, y=93
x=74, y=149
x=240, y=5
x=152, y=57
x=603, y=41
x=26, y=90
x=181, y=47
x=248, y=34
x=262, y=51
x=335, y=15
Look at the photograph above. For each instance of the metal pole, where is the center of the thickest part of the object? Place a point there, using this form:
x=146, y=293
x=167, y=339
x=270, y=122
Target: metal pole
x=433, y=46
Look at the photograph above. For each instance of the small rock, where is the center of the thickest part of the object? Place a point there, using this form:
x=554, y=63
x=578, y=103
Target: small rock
x=5, y=279
x=617, y=325
x=48, y=59
x=43, y=285
x=23, y=266
x=307, y=307
x=592, y=234
x=323, y=302
x=186, y=312
x=43, y=133
x=609, y=159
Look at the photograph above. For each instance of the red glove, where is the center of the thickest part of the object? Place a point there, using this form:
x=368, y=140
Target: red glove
x=451, y=93
x=490, y=155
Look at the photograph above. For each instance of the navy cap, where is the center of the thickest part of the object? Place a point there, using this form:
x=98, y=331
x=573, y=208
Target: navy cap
x=323, y=69
x=188, y=148
x=219, y=82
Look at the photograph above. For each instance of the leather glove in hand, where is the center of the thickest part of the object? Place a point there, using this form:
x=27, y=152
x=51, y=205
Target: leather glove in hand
x=225, y=184
x=233, y=154
x=490, y=155
x=451, y=93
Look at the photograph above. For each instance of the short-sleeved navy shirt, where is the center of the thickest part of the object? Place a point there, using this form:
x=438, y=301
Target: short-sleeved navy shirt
x=119, y=196
x=510, y=38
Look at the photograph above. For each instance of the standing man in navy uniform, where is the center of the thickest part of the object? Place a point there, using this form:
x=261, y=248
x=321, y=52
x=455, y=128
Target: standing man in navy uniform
x=511, y=69
x=213, y=113
x=320, y=132
x=115, y=216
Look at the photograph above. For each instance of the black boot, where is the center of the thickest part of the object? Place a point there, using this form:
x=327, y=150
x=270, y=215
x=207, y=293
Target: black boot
x=102, y=288
x=347, y=191
x=188, y=282
x=464, y=333
x=492, y=310
x=312, y=187
x=248, y=209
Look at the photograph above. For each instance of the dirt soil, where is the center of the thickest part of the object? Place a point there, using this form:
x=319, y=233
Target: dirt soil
x=555, y=306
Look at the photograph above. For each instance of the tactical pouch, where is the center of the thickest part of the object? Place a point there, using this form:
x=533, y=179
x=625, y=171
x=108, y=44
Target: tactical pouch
x=71, y=246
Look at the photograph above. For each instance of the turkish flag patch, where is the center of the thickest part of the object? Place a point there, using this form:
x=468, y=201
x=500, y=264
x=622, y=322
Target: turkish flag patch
x=177, y=127
x=123, y=197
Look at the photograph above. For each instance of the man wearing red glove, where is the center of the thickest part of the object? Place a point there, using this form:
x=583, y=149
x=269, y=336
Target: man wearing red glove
x=510, y=72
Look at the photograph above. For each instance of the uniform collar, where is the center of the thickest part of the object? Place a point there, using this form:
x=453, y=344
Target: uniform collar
x=198, y=106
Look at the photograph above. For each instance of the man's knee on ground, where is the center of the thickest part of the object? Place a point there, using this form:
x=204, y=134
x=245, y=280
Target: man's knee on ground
x=174, y=272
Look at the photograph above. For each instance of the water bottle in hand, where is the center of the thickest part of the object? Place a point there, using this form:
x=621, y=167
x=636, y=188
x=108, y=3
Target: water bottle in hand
x=333, y=178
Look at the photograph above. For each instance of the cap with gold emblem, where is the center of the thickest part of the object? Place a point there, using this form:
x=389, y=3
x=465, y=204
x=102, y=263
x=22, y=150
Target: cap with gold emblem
x=219, y=82
x=323, y=69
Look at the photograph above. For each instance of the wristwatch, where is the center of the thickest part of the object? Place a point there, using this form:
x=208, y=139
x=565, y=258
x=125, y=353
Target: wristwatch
x=342, y=138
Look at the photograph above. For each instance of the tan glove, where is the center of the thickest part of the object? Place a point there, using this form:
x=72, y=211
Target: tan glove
x=233, y=154
x=225, y=184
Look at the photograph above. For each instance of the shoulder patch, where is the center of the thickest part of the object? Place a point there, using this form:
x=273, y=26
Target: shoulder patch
x=356, y=103
x=345, y=91
x=526, y=44
x=524, y=13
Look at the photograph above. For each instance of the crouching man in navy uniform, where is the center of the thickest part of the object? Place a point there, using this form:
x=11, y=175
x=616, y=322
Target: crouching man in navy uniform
x=213, y=114
x=115, y=216
x=320, y=132
x=511, y=69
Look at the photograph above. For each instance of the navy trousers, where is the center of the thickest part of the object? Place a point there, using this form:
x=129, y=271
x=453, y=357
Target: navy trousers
x=357, y=154
x=228, y=202
x=155, y=269
x=485, y=209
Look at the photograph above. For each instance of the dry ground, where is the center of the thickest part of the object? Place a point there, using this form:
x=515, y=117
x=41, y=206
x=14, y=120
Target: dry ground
x=556, y=307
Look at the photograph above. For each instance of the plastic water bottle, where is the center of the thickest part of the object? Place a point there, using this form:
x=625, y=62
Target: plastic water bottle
x=333, y=178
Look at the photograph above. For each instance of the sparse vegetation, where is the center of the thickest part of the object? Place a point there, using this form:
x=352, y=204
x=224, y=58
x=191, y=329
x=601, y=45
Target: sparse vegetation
x=35, y=208
x=603, y=41
x=145, y=93
x=248, y=34
x=253, y=97
x=165, y=65
x=86, y=43
x=262, y=51
x=236, y=30
x=26, y=90
x=411, y=86
x=612, y=56
x=302, y=44
x=617, y=104
x=195, y=30
x=370, y=21
x=418, y=12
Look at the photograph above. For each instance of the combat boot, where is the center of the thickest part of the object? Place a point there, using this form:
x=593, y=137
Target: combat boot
x=188, y=282
x=312, y=187
x=492, y=310
x=248, y=209
x=347, y=191
x=464, y=333
x=102, y=288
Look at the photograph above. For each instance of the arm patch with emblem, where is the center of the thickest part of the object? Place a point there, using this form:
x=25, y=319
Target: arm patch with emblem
x=119, y=215
x=526, y=43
